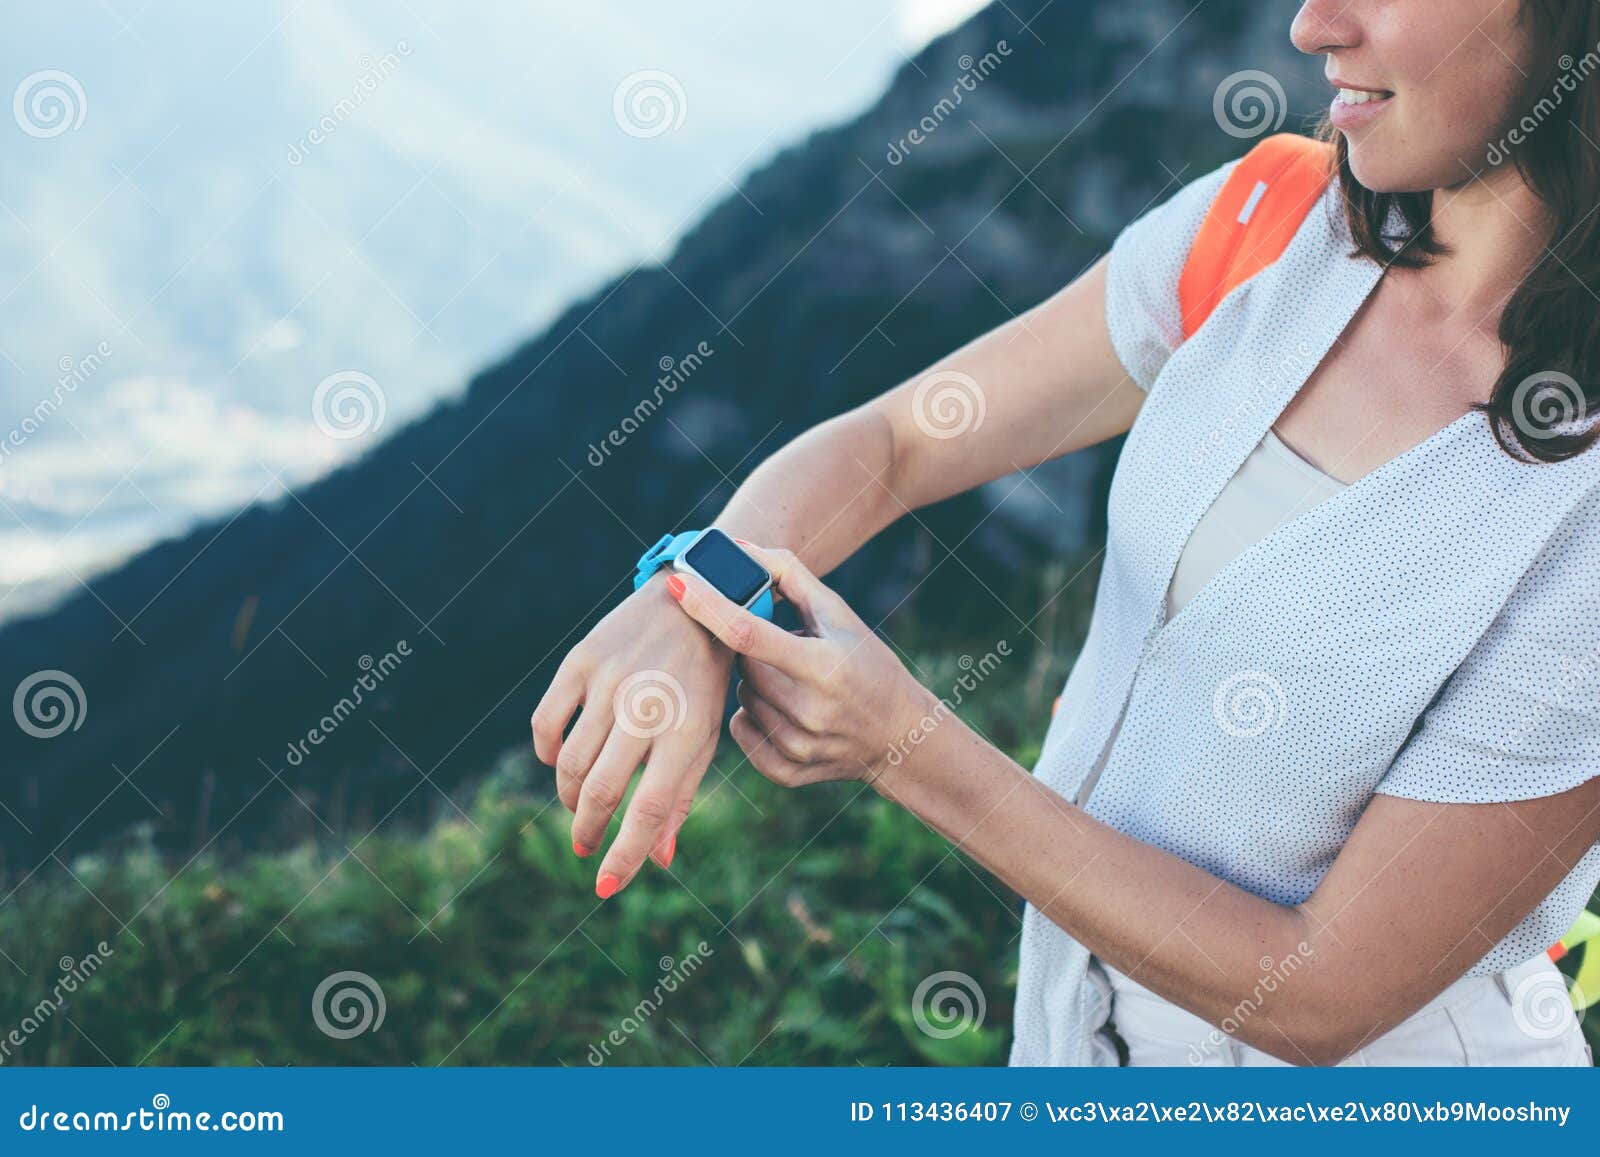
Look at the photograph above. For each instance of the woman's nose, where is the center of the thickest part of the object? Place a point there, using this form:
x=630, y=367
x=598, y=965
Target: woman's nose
x=1324, y=25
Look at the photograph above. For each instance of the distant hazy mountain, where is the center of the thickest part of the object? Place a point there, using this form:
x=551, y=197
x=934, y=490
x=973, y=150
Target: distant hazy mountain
x=259, y=195
x=487, y=535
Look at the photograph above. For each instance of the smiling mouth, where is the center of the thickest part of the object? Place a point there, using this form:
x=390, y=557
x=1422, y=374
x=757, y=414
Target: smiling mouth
x=1360, y=96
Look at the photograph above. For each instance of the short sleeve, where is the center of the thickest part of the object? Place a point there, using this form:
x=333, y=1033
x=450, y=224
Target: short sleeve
x=1520, y=718
x=1142, y=278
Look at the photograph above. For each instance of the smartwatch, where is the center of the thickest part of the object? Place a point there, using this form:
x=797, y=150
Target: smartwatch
x=716, y=558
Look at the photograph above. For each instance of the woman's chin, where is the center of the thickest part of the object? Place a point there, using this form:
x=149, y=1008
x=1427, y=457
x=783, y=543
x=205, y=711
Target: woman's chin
x=1387, y=170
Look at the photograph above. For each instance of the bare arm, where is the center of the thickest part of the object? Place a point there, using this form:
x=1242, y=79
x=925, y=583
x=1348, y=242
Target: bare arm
x=1047, y=382
x=1417, y=895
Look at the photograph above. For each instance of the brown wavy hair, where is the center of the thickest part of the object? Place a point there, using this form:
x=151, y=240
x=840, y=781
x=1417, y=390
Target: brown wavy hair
x=1550, y=325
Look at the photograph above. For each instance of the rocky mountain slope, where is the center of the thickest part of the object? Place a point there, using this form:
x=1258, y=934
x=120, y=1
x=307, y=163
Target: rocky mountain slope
x=446, y=572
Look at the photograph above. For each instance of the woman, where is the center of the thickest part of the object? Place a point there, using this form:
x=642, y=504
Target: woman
x=1327, y=772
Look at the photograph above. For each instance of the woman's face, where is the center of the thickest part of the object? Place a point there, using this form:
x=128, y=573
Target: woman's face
x=1428, y=88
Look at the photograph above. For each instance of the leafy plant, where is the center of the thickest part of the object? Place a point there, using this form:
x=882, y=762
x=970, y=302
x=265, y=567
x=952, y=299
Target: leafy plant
x=820, y=927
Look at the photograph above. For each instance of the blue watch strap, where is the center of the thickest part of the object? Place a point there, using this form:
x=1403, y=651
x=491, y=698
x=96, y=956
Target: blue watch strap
x=667, y=548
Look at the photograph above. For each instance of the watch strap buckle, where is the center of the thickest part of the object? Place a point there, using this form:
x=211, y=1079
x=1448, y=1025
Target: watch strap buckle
x=655, y=558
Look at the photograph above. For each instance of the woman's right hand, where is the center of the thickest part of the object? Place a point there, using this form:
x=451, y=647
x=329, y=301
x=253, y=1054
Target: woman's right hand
x=652, y=684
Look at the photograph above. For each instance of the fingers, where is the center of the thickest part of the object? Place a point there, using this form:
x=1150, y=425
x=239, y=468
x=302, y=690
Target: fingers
x=777, y=729
x=817, y=603
x=738, y=629
x=667, y=846
x=763, y=756
x=582, y=747
x=561, y=699
x=804, y=702
x=654, y=805
x=688, y=787
x=773, y=685
x=603, y=788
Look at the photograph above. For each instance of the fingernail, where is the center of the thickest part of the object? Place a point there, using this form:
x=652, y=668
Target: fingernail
x=579, y=850
x=742, y=542
x=606, y=887
x=672, y=848
x=675, y=587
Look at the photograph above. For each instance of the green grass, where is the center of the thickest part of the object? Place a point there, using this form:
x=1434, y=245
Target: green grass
x=820, y=911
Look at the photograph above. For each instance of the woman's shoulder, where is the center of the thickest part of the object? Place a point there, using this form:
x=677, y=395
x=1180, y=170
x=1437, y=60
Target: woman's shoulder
x=1150, y=307
x=1145, y=265
x=1571, y=555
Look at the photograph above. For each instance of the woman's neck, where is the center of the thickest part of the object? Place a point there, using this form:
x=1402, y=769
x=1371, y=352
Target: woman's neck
x=1495, y=229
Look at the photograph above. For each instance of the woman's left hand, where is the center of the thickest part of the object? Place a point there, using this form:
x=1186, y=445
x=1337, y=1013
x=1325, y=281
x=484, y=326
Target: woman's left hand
x=832, y=703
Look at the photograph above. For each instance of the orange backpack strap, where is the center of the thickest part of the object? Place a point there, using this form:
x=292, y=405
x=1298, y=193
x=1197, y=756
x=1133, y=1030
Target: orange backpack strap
x=1262, y=204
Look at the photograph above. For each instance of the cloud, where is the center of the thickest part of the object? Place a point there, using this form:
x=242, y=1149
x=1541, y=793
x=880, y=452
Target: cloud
x=144, y=458
x=919, y=21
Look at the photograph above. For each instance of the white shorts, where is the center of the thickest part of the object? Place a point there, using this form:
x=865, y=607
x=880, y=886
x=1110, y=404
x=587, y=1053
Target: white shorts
x=1522, y=1016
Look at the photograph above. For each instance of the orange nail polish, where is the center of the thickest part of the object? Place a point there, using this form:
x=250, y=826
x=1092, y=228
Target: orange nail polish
x=579, y=850
x=675, y=587
x=606, y=887
x=672, y=850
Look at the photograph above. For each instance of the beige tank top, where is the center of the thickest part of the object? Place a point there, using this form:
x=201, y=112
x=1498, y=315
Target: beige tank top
x=1273, y=486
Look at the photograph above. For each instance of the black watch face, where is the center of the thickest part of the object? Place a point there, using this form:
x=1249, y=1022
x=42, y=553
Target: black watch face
x=720, y=561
